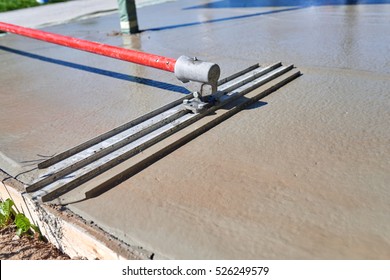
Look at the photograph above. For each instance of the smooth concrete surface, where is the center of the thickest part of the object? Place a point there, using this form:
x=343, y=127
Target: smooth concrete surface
x=302, y=175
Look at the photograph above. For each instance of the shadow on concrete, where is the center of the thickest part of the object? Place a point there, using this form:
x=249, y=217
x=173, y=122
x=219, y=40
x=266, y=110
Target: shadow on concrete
x=223, y=19
x=256, y=105
x=289, y=5
x=283, y=3
x=112, y=74
x=292, y=4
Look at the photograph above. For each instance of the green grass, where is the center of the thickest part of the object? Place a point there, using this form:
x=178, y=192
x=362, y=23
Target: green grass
x=8, y=215
x=8, y=5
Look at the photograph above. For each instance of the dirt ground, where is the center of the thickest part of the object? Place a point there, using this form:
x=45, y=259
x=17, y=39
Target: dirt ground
x=26, y=248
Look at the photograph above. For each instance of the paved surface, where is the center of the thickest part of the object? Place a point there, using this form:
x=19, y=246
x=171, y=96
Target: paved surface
x=65, y=11
x=305, y=174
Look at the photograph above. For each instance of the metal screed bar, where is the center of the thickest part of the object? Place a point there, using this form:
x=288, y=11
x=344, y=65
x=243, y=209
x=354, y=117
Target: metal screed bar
x=136, y=141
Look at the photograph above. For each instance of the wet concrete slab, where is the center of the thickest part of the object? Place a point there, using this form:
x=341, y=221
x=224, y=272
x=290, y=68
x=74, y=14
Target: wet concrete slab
x=52, y=89
x=303, y=174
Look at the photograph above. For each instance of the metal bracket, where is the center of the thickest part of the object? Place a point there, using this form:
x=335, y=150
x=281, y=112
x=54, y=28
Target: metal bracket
x=206, y=73
x=195, y=105
x=206, y=97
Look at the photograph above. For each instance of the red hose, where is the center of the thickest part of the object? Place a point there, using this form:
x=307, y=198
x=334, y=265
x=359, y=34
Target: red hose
x=146, y=59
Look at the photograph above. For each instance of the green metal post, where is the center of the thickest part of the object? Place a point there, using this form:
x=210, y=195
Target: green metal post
x=128, y=16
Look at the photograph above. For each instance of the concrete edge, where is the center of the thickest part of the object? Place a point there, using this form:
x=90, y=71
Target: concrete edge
x=67, y=231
